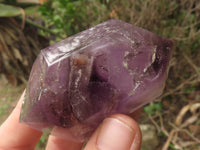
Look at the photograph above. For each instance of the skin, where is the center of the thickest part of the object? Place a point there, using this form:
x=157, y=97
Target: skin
x=117, y=132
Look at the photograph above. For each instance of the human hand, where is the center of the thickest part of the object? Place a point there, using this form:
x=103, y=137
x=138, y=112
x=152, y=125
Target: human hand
x=117, y=132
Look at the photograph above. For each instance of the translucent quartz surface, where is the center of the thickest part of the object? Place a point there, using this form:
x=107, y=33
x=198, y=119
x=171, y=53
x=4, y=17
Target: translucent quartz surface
x=114, y=67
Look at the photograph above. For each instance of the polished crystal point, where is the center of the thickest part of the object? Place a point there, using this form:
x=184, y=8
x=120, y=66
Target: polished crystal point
x=114, y=67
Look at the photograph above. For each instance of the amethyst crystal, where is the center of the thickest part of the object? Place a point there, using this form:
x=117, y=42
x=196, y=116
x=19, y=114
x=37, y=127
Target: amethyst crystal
x=114, y=67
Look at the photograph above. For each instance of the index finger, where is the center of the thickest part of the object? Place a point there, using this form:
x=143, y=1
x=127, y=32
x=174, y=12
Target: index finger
x=16, y=135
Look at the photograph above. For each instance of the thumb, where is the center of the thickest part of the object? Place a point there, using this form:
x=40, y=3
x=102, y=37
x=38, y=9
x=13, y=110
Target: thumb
x=117, y=132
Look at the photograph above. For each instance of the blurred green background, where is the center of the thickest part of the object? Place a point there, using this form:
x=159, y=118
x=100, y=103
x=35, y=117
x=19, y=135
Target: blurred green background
x=27, y=26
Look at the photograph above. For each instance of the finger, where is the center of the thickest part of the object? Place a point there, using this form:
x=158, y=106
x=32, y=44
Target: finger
x=117, y=132
x=55, y=143
x=16, y=135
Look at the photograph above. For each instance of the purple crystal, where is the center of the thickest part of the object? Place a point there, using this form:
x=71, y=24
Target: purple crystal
x=114, y=67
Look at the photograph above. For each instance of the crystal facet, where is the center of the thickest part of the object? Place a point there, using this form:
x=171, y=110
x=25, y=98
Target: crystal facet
x=114, y=67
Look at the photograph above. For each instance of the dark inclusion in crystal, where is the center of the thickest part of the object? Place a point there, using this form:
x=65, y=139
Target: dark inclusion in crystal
x=114, y=67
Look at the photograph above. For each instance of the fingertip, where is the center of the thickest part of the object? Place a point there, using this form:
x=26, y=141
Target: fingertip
x=119, y=132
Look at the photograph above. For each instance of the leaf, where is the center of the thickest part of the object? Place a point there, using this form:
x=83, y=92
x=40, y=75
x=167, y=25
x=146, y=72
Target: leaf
x=9, y=11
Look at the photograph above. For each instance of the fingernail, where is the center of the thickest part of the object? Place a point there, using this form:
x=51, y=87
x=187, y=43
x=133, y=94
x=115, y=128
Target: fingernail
x=115, y=135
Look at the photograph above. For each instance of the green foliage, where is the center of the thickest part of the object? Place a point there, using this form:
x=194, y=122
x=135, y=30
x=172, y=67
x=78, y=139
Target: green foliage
x=9, y=99
x=161, y=134
x=9, y=11
x=67, y=17
x=43, y=140
x=172, y=19
x=172, y=146
x=189, y=89
x=153, y=108
x=3, y=109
